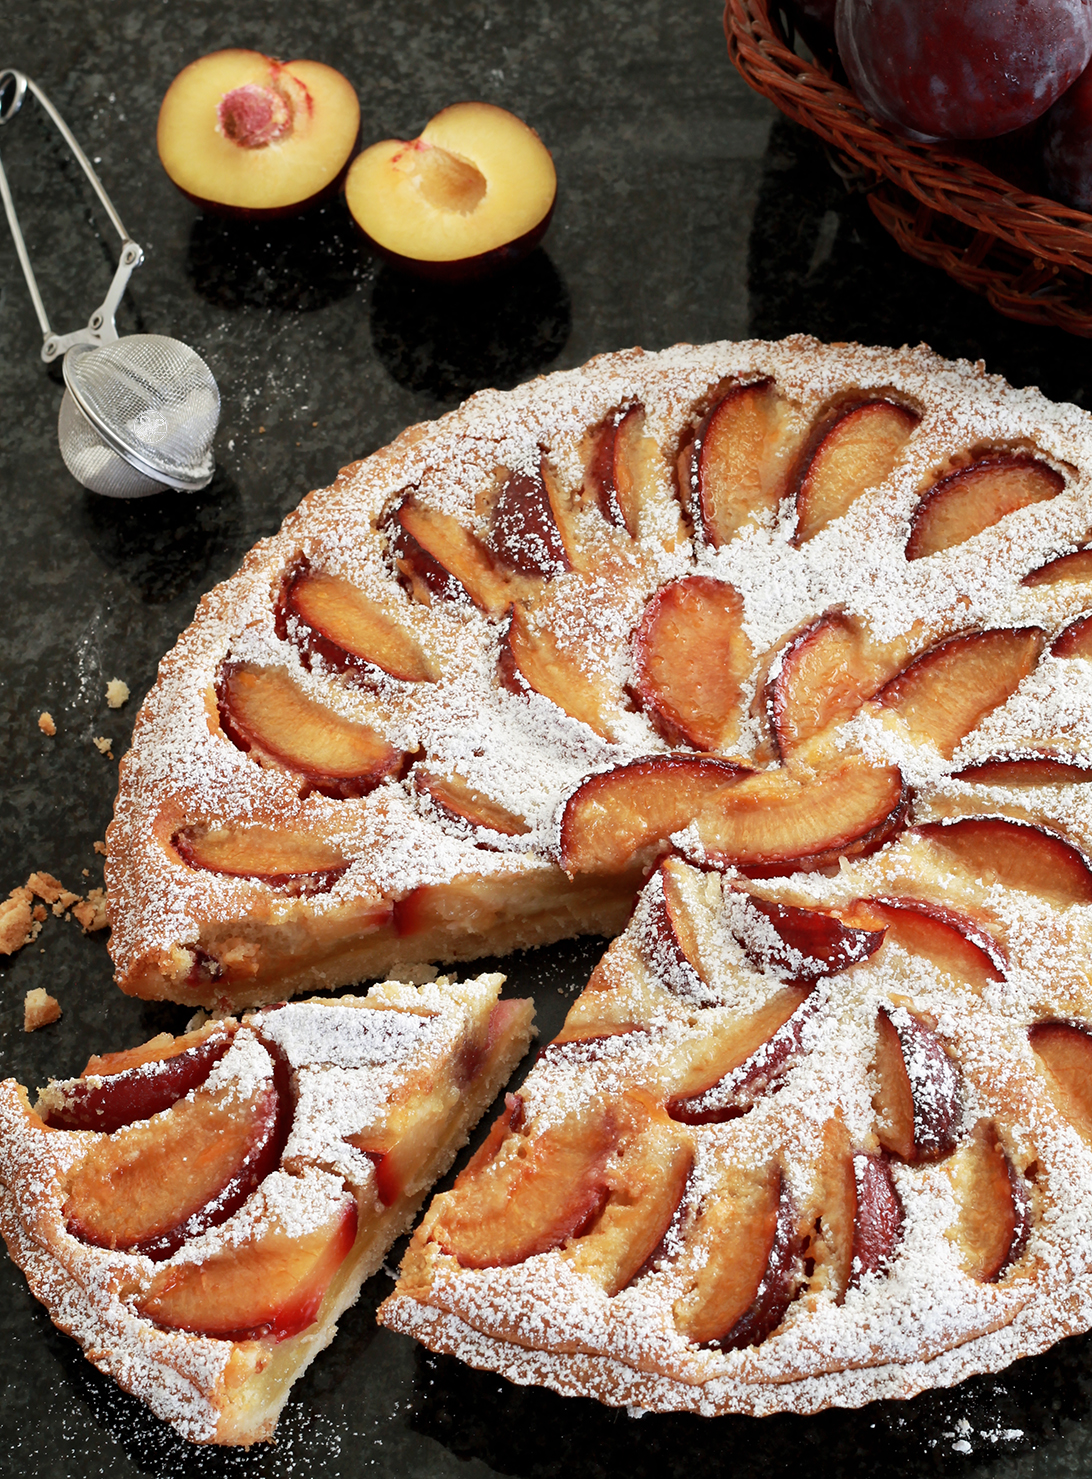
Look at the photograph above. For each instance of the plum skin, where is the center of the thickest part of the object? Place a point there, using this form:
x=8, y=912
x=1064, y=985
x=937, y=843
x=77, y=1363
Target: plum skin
x=962, y=69
x=1067, y=145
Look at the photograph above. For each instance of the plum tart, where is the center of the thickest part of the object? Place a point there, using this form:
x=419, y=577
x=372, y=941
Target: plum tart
x=767, y=604
x=801, y=1142
x=199, y=1212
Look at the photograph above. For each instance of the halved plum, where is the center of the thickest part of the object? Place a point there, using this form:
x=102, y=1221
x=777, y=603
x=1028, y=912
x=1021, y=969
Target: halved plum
x=691, y=656
x=151, y=1186
x=269, y=1284
x=743, y=1060
x=1074, y=568
x=614, y=820
x=742, y=1287
x=737, y=464
x=947, y=691
x=620, y=469
x=120, y=1088
x=297, y=862
x=1075, y=640
x=994, y=1218
x=532, y=661
x=809, y=945
x=669, y=936
x=919, y=1103
x=1028, y=768
x=437, y=559
x=328, y=617
x=525, y=533
x=853, y=448
x=878, y=1219
x=953, y=941
x=1021, y=855
x=976, y=497
x=264, y=711
x=1064, y=1051
x=529, y=1198
x=825, y=673
x=777, y=823
x=646, y=1183
x=462, y=802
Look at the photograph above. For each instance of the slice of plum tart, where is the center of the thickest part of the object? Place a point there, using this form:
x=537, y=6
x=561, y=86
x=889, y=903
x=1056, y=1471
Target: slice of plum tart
x=800, y=1143
x=199, y=1212
x=786, y=599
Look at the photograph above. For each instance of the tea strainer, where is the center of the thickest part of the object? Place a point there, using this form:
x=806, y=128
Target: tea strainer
x=139, y=413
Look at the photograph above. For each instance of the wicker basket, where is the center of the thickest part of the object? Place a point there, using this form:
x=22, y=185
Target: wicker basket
x=1030, y=256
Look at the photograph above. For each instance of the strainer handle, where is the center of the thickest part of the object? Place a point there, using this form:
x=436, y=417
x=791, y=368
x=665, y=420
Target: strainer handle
x=101, y=328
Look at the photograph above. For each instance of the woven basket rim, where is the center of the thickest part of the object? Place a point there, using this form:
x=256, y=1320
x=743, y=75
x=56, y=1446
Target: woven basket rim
x=937, y=176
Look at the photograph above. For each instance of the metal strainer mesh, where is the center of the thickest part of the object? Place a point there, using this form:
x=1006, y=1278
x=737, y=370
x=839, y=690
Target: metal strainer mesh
x=94, y=464
x=149, y=398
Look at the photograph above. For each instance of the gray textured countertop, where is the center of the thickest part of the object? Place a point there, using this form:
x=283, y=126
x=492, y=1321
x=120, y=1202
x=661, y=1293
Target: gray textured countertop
x=687, y=210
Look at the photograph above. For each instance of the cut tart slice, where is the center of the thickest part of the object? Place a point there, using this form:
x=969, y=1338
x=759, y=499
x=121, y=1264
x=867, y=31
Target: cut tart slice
x=198, y=1213
x=775, y=1161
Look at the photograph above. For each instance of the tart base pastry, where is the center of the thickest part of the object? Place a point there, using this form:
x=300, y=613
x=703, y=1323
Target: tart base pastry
x=799, y=1144
x=246, y=1179
x=391, y=736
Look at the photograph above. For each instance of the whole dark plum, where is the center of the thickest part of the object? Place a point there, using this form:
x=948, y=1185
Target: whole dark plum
x=962, y=69
x=818, y=10
x=1067, y=145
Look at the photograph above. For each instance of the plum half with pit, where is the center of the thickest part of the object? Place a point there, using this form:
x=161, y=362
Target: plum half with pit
x=242, y=134
x=962, y=69
x=473, y=193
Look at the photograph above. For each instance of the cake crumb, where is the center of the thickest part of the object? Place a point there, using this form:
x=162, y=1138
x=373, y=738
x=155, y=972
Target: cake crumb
x=39, y=1009
x=103, y=745
x=65, y=902
x=117, y=693
x=91, y=912
x=46, y=724
x=16, y=921
x=45, y=886
x=413, y=973
x=100, y=848
x=86, y=872
x=39, y=913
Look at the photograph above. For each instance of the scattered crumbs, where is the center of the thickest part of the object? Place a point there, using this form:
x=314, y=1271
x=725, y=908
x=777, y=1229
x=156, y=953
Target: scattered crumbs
x=21, y=919
x=46, y=724
x=91, y=912
x=86, y=872
x=45, y=886
x=16, y=921
x=100, y=848
x=39, y=1009
x=117, y=693
x=103, y=745
x=261, y=429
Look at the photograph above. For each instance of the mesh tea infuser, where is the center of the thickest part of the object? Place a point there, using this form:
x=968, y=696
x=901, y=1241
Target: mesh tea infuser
x=139, y=413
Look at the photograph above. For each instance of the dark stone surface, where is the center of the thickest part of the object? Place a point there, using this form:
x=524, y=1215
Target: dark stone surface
x=687, y=210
